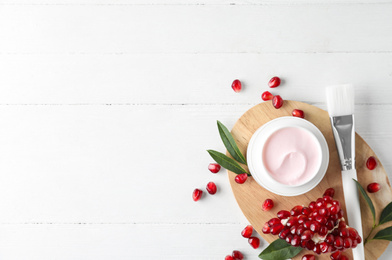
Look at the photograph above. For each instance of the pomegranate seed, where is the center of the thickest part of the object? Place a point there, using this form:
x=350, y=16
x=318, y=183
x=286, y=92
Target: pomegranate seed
x=296, y=240
x=343, y=257
x=327, y=199
x=266, y=228
x=277, y=101
x=293, y=230
x=338, y=242
x=355, y=243
x=371, y=163
x=241, y=178
x=284, y=233
x=268, y=204
x=324, y=247
x=283, y=214
x=306, y=211
x=214, y=167
x=289, y=238
x=236, y=85
x=301, y=219
x=317, y=249
x=347, y=242
x=330, y=239
x=373, y=187
x=344, y=232
x=334, y=209
x=275, y=229
x=320, y=219
x=274, y=82
x=197, y=194
x=323, y=231
x=353, y=233
x=291, y=222
x=323, y=211
x=307, y=224
x=320, y=203
x=312, y=205
x=300, y=230
x=297, y=210
x=342, y=224
x=211, y=188
x=310, y=245
x=237, y=255
x=340, y=213
x=308, y=257
x=307, y=235
x=330, y=224
x=298, y=113
x=229, y=257
x=273, y=221
x=329, y=192
x=254, y=242
x=336, y=255
x=247, y=231
x=315, y=227
x=266, y=96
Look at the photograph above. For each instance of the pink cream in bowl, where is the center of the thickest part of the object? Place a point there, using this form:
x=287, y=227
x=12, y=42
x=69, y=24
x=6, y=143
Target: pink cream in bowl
x=292, y=156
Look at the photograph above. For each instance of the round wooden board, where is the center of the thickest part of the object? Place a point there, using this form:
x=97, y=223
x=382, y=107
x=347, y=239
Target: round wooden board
x=250, y=195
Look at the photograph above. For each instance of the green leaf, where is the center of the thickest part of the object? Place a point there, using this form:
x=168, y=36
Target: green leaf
x=386, y=214
x=226, y=162
x=385, y=234
x=368, y=201
x=230, y=144
x=279, y=250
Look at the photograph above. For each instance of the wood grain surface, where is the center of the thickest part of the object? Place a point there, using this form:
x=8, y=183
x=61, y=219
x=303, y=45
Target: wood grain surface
x=250, y=195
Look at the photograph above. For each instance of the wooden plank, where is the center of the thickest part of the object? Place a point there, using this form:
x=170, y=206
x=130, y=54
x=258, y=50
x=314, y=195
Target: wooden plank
x=188, y=78
x=100, y=164
x=195, y=28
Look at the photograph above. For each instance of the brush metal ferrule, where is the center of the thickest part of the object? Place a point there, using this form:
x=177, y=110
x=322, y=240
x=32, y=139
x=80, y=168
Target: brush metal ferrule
x=344, y=133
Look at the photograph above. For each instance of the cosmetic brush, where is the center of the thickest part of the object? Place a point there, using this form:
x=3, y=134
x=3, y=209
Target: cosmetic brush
x=340, y=102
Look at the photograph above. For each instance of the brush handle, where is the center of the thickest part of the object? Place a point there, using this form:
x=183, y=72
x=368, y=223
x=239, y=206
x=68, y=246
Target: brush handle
x=353, y=209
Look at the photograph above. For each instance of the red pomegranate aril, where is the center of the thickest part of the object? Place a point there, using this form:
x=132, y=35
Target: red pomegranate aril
x=343, y=257
x=323, y=231
x=289, y=238
x=291, y=222
x=268, y=204
x=296, y=210
x=277, y=101
x=211, y=188
x=308, y=257
x=310, y=245
x=342, y=224
x=196, y=195
x=336, y=255
x=274, y=82
x=266, y=96
x=214, y=167
x=320, y=219
x=236, y=85
x=329, y=192
x=241, y=178
x=293, y=230
x=237, y=255
x=373, y=187
x=353, y=233
x=340, y=213
x=307, y=224
x=355, y=243
x=247, y=231
x=275, y=229
x=312, y=205
x=315, y=227
x=320, y=203
x=359, y=240
x=298, y=113
x=254, y=242
x=338, y=242
x=330, y=224
x=344, y=232
x=266, y=228
x=371, y=163
x=284, y=233
x=330, y=239
x=307, y=235
x=229, y=257
x=300, y=230
x=306, y=211
x=324, y=247
x=327, y=199
x=347, y=242
x=334, y=209
x=296, y=240
x=273, y=221
x=323, y=211
x=301, y=219
x=283, y=214
x=317, y=249
x=303, y=243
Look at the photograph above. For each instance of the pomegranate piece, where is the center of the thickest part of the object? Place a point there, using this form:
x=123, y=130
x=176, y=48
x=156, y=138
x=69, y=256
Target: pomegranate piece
x=336, y=255
x=266, y=96
x=277, y=101
x=247, y=231
x=373, y=187
x=241, y=178
x=308, y=257
x=319, y=227
x=254, y=242
x=268, y=204
x=229, y=257
x=237, y=255
x=197, y=194
x=211, y=188
x=214, y=167
x=371, y=163
x=236, y=85
x=298, y=113
x=274, y=82
x=329, y=192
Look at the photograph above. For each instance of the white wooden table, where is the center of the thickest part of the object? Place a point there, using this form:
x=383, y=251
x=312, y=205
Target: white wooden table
x=107, y=108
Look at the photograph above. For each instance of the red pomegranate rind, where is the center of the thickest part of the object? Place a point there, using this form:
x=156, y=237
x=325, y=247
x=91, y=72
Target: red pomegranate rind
x=371, y=163
x=320, y=227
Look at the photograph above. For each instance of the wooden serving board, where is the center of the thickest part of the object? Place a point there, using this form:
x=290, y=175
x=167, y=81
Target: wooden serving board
x=250, y=195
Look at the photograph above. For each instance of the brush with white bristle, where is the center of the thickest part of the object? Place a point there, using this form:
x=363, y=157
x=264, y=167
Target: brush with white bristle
x=340, y=102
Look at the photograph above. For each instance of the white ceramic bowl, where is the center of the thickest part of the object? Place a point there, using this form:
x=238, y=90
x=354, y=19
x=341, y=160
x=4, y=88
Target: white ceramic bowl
x=255, y=152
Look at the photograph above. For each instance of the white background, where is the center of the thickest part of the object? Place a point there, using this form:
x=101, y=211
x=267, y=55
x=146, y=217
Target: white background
x=107, y=108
